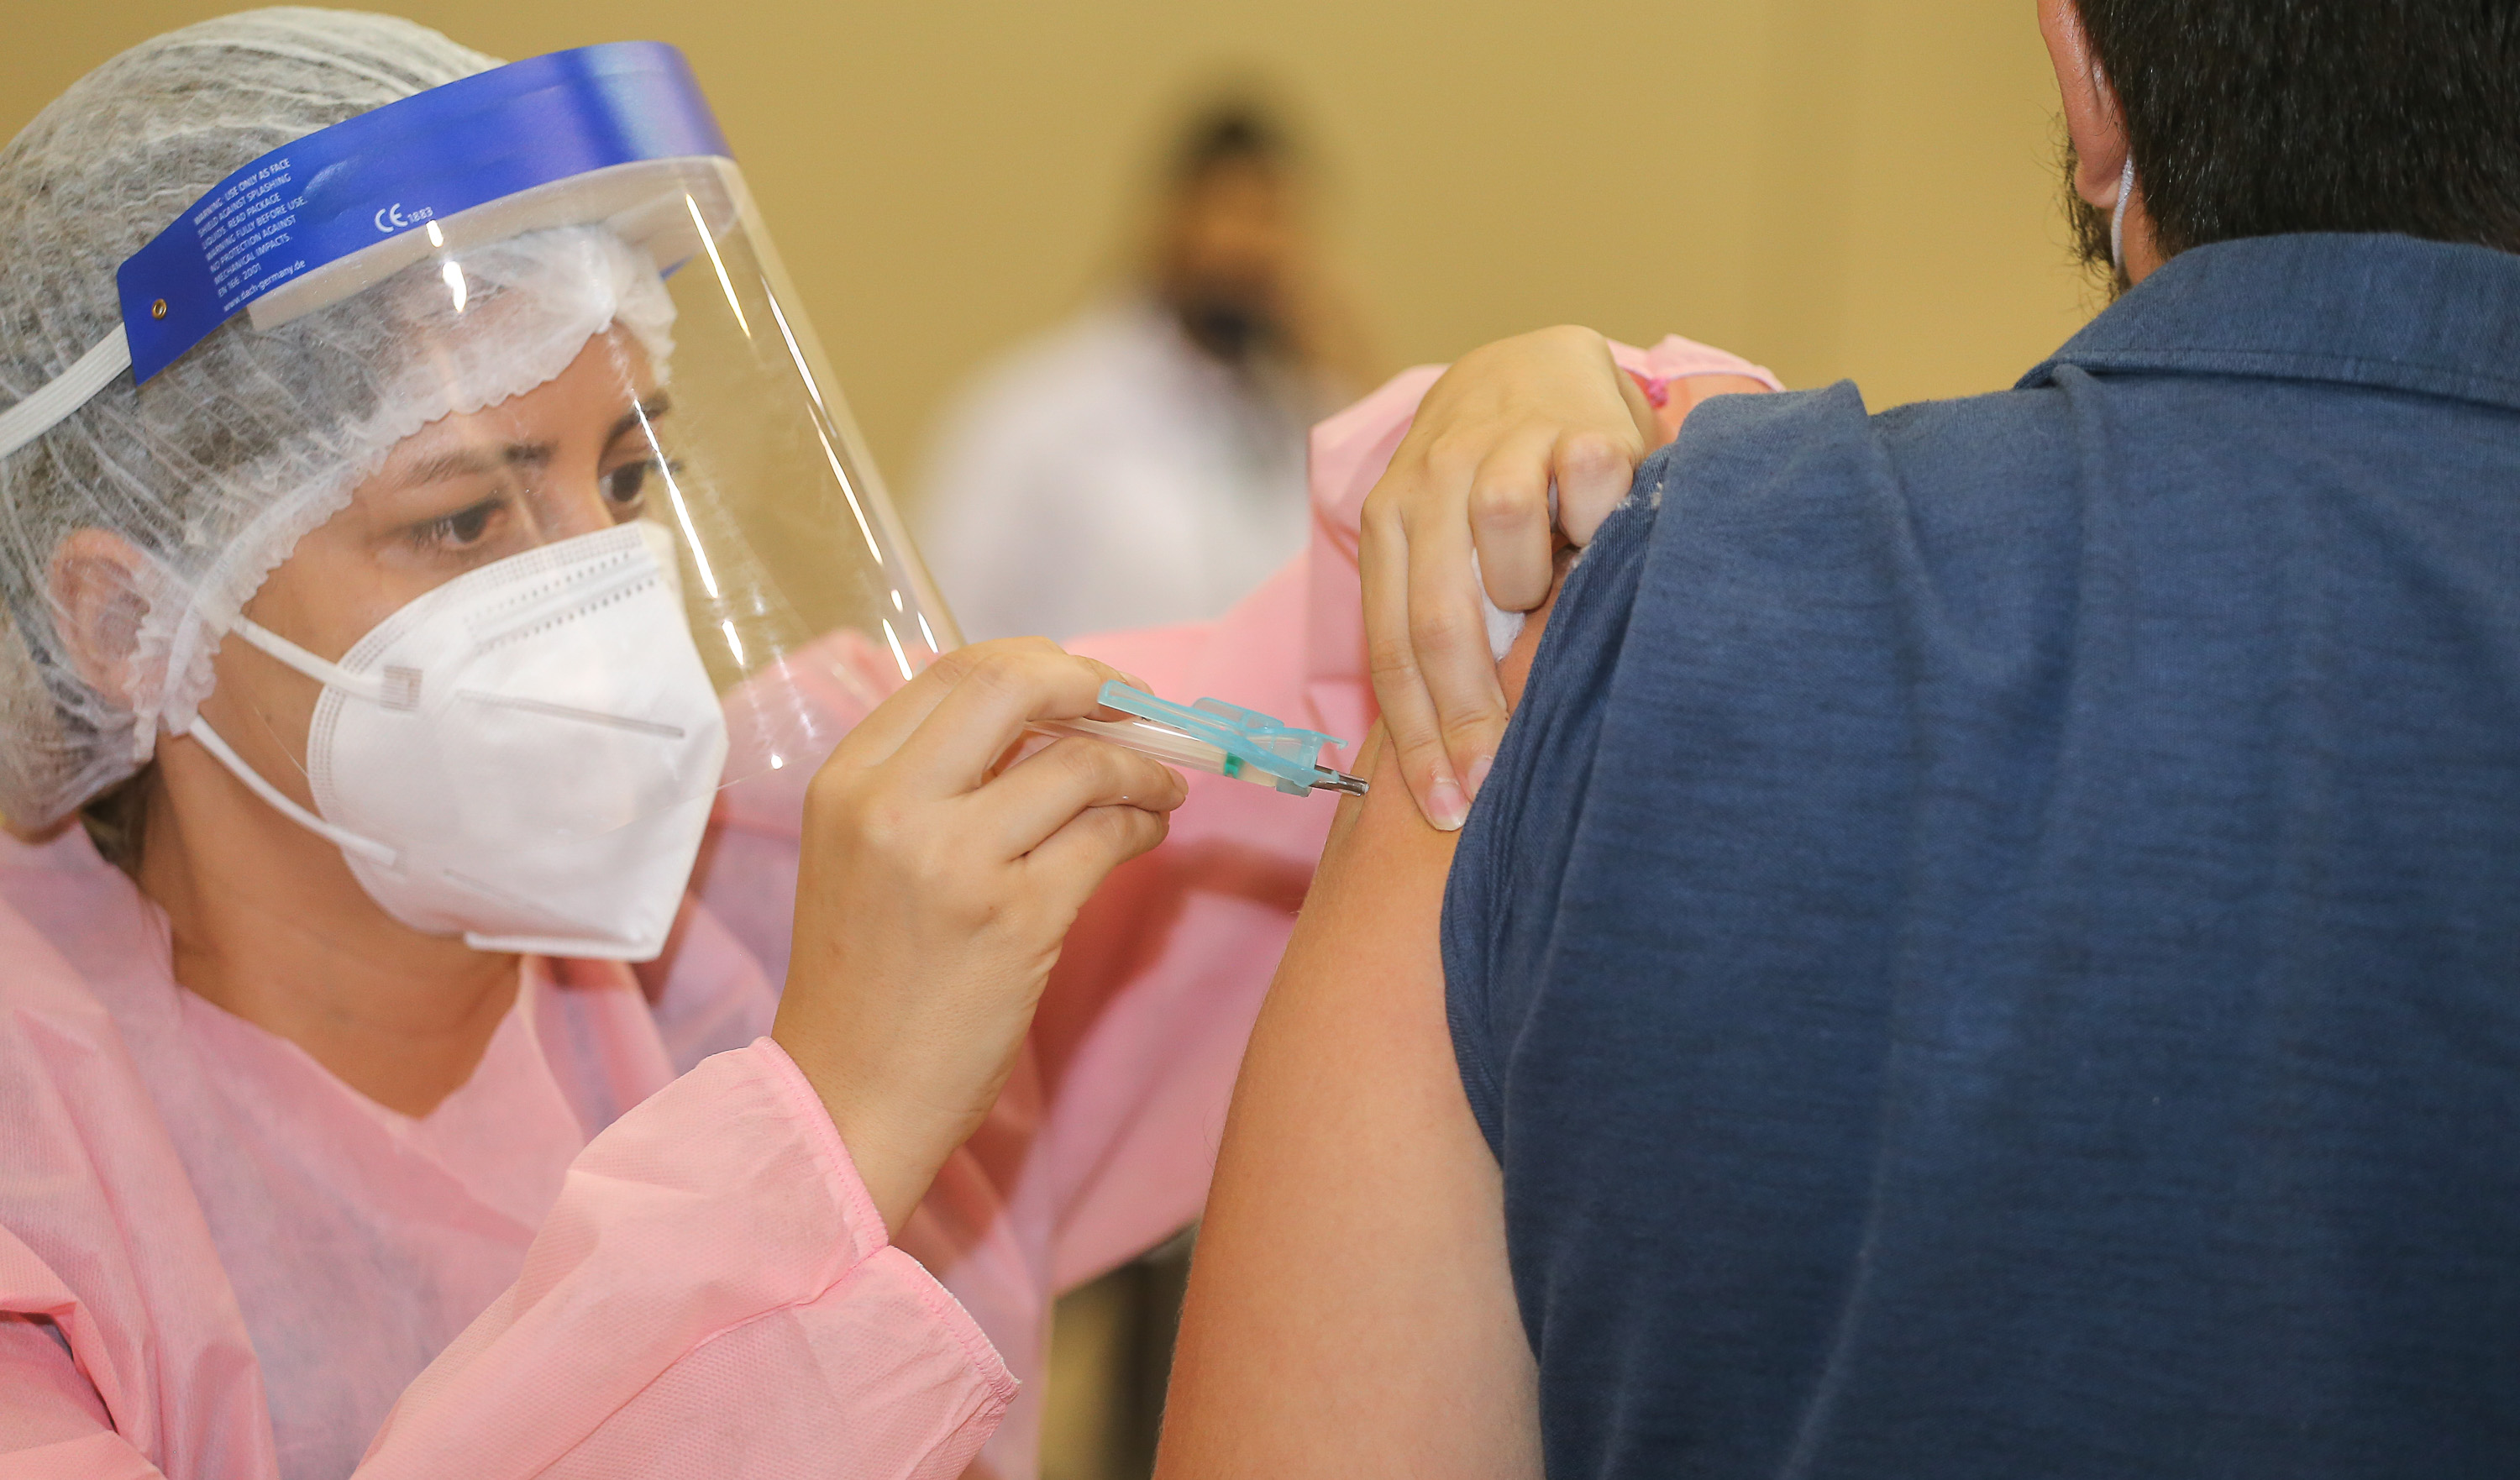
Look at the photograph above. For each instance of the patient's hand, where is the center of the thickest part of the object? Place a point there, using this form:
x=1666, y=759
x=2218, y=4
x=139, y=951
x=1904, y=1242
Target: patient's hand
x=1506, y=424
x=1350, y=1310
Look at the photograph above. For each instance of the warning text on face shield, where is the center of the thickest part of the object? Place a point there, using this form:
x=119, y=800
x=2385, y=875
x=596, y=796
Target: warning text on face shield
x=243, y=228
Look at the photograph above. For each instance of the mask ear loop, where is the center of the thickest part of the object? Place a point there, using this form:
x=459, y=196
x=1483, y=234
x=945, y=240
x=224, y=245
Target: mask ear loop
x=2117, y=215
x=395, y=689
x=347, y=841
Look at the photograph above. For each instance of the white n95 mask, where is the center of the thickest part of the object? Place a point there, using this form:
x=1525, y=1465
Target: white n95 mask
x=525, y=756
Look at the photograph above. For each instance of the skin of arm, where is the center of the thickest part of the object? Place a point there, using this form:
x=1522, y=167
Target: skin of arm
x=1350, y=1310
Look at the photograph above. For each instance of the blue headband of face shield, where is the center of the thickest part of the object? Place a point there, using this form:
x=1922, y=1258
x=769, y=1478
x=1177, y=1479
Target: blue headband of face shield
x=578, y=137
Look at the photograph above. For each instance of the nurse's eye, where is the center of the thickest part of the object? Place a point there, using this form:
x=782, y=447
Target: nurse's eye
x=626, y=487
x=460, y=531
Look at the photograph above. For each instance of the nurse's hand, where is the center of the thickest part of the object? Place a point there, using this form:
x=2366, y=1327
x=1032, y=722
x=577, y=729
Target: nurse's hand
x=936, y=885
x=1505, y=424
x=1475, y=469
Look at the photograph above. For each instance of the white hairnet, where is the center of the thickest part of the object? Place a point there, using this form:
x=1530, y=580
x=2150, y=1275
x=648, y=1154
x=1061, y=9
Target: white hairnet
x=216, y=466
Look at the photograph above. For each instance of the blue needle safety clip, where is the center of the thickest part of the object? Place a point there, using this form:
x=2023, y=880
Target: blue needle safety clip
x=1217, y=737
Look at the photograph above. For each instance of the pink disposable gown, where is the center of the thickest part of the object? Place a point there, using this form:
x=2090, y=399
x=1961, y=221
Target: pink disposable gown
x=632, y=1244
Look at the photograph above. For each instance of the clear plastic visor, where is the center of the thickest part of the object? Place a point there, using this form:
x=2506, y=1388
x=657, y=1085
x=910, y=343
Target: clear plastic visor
x=647, y=515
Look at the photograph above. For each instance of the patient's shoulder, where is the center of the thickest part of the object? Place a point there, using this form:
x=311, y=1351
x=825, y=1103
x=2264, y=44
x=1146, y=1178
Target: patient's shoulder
x=1732, y=662
x=1794, y=450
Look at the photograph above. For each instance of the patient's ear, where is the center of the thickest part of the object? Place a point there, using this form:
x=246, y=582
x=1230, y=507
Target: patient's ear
x=96, y=582
x=2094, y=121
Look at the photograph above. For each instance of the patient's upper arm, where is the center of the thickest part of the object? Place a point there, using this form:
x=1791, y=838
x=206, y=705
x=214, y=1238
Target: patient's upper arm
x=1350, y=1312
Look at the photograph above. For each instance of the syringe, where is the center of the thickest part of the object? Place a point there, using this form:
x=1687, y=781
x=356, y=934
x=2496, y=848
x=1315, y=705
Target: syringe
x=1216, y=737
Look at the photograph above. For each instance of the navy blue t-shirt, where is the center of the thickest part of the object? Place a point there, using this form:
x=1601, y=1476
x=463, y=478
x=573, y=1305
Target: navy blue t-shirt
x=1991, y=947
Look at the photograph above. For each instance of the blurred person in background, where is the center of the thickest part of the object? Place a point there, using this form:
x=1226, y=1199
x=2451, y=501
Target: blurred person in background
x=1143, y=463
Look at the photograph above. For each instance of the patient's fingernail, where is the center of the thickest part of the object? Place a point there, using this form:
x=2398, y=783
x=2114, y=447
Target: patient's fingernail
x=1479, y=773
x=1446, y=806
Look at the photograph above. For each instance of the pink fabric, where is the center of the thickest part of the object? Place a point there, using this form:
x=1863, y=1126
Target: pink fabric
x=632, y=1244
x=594, y=1306
x=1657, y=388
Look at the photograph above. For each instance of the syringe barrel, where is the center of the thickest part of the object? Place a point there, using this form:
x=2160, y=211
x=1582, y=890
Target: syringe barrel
x=1147, y=737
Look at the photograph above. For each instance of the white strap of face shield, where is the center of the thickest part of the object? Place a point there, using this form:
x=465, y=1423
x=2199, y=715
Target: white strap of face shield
x=342, y=837
x=66, y=392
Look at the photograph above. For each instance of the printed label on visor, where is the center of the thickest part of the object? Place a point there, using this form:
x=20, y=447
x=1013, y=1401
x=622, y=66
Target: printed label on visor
x=401, y=167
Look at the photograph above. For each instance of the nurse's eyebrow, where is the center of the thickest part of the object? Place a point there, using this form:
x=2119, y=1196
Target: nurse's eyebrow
x=650, y=410
x=470, y=461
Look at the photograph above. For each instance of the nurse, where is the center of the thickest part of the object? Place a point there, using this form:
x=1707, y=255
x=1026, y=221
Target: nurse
x=525, y=950
x=397, y=596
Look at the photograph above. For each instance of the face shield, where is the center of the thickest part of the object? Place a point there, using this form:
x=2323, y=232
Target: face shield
x=600, y=542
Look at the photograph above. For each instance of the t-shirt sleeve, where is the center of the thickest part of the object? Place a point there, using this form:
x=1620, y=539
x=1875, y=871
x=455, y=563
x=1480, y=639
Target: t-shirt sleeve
x=1501, y=904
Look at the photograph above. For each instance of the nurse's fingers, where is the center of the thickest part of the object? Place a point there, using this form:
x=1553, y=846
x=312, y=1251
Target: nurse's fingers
x=1044, y=792
x=1386, y=558
x=965, y=735
x=1510, y=520
x=1071, y=862
x=1448, y=626
x=875, y=740
x=1594, y=470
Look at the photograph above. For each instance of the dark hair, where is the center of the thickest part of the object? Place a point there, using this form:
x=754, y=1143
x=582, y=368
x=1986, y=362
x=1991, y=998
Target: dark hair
x=1232, y=132
x=2253, y=117
x=117, y=819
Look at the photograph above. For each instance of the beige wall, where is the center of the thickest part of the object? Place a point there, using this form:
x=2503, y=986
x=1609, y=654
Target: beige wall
x=1836, y=186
